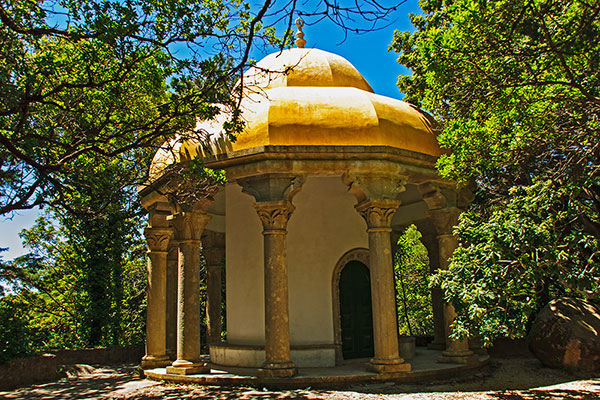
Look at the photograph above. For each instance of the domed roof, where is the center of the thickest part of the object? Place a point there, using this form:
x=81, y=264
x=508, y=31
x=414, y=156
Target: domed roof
x=304, y=67
x=310, y=97
x=343, y=116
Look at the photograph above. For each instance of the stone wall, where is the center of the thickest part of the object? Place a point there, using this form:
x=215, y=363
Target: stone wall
x=111, y=355
x=25, y=371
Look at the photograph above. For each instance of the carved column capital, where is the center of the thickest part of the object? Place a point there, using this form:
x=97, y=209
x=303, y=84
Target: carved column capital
x=158, y=238
x=378, y=213
x=274, y=215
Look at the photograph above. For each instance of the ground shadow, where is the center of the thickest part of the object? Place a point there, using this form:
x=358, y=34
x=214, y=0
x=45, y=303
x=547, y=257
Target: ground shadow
x=509, y=379
x=502, y=377
x=103, y=381
x=552, y=394
x=171, y=392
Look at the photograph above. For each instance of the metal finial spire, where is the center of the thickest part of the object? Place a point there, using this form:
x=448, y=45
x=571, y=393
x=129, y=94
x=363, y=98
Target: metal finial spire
x=300, y=42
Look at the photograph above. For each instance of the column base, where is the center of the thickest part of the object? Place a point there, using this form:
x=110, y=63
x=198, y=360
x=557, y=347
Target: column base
x=458, y=357
x=155, y=361
x=278, y=370
x=382, y=366
x=181, y=367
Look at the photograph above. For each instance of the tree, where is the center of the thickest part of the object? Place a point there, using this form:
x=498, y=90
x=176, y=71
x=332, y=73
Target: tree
x=83, y=282
x=413, y=298
x=105, y=79
x=79, y=290
x=516, y=88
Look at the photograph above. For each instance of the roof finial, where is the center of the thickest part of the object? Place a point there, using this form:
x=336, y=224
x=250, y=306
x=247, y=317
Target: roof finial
x=300, y=42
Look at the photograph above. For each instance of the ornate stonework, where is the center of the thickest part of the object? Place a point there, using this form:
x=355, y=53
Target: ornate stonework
x=378, y=213
x=274, y=215
x=272, y=187
x=158, y=238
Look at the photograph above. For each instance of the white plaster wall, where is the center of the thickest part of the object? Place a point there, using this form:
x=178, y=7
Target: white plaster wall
x=244, y=269
x=323, y=227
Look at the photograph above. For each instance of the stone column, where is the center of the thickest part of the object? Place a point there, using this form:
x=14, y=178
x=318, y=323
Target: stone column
x=214, y=253
x=274, y=217
x=457, y=351
x=273, y=193
x=172, y=266
x=188, y=231
x=158, y=234
x=377, y=195
x=156, y=318
x=378, y=215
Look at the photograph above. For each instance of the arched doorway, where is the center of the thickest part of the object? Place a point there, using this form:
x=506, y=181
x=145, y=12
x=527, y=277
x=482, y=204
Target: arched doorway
x=356, y=314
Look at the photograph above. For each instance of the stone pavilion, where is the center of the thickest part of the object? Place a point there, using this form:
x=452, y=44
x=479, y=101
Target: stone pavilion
x=322, y=181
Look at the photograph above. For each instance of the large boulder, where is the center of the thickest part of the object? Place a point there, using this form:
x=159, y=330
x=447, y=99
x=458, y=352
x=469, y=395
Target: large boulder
x=566, y=333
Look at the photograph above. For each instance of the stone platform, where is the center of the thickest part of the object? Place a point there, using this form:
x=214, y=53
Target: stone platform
x=424, y=368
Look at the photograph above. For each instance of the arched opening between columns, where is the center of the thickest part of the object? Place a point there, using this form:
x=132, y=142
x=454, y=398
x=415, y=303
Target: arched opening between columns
x=361, y=256
x=412, y=267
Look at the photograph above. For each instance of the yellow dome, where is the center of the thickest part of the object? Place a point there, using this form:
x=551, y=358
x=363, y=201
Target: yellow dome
x=304, y=67
x=334, y=116
x=309, y=97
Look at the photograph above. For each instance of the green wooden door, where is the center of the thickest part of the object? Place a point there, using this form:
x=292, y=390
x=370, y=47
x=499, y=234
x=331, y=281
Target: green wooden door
x=355, y=311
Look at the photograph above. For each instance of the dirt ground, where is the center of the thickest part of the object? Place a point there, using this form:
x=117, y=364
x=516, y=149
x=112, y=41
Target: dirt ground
x=504, y=379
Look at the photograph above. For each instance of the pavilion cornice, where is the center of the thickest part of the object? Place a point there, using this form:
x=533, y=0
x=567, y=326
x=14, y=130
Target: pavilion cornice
x=324, y=160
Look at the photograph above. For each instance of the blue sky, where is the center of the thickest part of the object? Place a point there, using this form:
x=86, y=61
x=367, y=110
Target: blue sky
x=367, y=52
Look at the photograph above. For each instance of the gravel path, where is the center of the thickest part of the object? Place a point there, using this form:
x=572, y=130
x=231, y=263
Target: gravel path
x=505, y=379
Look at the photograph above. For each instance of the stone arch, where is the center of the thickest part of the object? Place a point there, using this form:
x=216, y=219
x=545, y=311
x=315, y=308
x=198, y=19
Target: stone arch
x=357, y=254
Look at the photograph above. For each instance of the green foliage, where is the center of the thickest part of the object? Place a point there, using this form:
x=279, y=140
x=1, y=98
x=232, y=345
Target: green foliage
x=509, y=79
x=516, y=87
x=104, y=78
x=198, y=171
x=75, y=290
x=17, y=337
x=413, y=297
x=510, y=265
x=83, y=282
